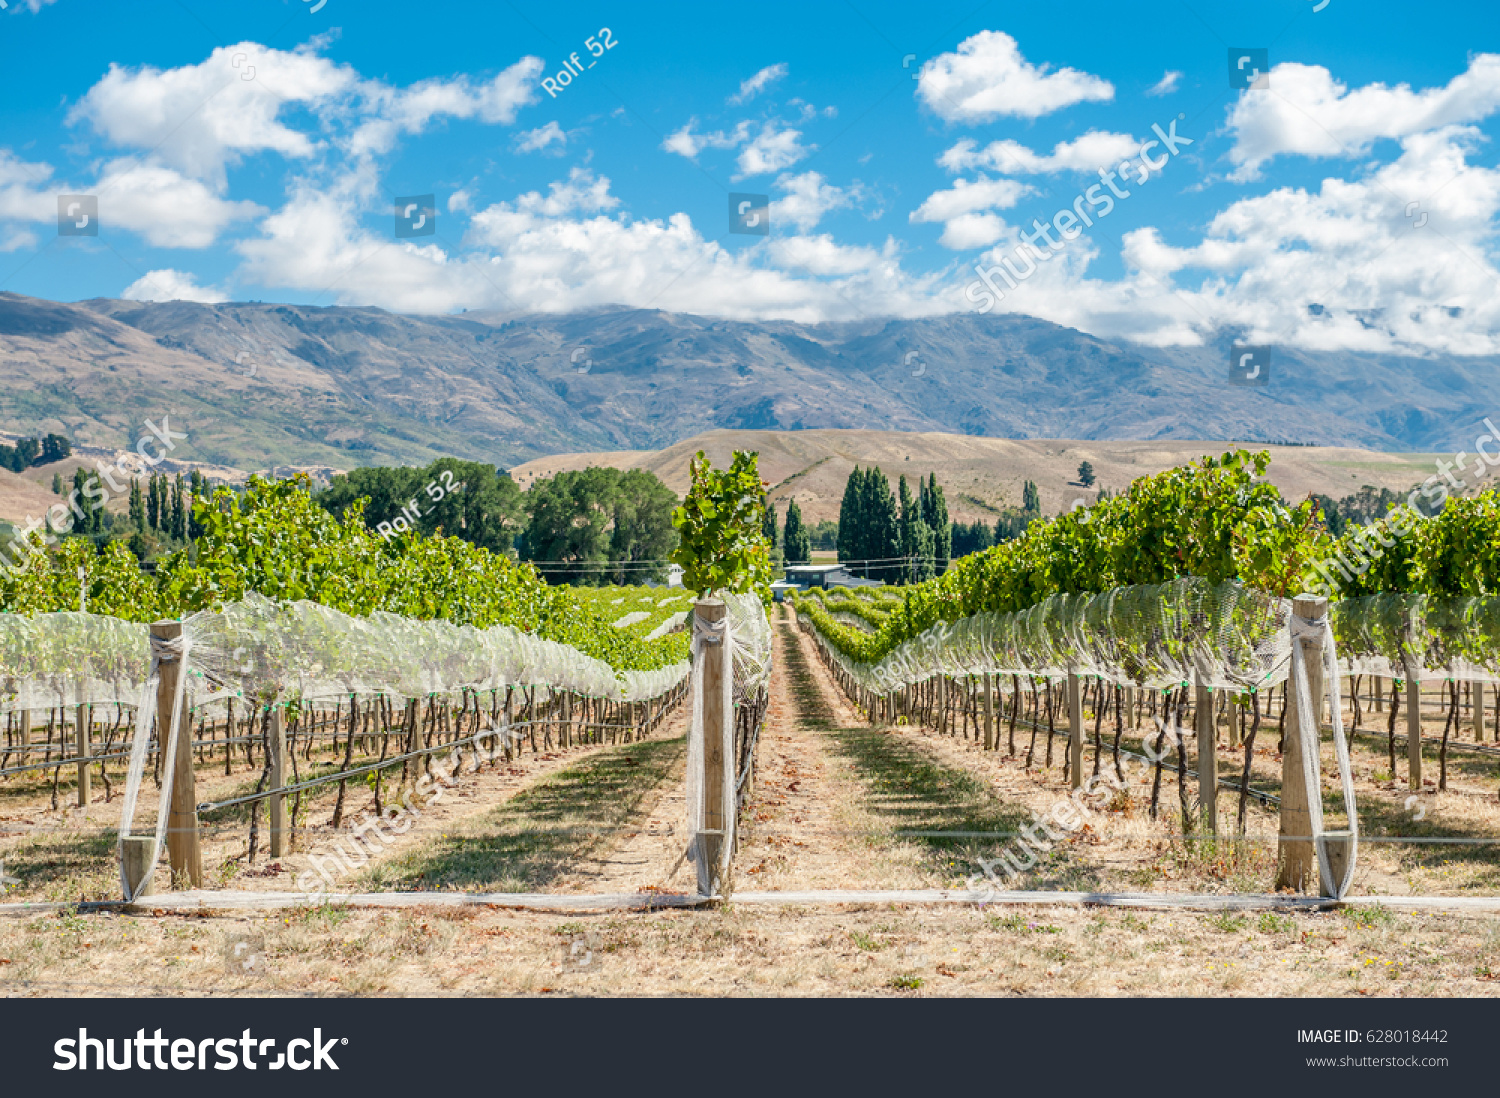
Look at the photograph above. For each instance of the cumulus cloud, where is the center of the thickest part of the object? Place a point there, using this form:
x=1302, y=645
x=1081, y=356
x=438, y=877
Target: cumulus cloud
x=1166, y=85
x=168, y=209
x=171, y=285
x=200, y=119
x=1342, y=266
x=773, y=149
x=689, y=143
x=964, y=211
x=1092, y=151
x=987, y=78
x=1309, y=113
x=540, y=139
x=758, y=83
x=572, y=247
x=808, y=197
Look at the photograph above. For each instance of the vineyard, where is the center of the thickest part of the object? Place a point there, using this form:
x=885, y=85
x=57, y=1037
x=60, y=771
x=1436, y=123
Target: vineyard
x=295, y=705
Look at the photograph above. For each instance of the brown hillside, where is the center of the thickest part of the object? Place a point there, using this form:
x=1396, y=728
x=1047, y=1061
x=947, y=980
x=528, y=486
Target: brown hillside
x=982, y=475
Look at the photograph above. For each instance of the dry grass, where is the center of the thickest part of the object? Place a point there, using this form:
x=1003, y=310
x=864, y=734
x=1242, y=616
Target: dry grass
x=881, y=951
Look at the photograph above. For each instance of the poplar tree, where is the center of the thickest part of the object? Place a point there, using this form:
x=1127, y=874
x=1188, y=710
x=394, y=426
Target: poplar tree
x=935, y=514
x=797, y=540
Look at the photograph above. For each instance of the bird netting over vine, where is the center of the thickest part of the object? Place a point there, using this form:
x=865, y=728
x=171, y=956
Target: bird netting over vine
x=1223, y=636
x=257, y=648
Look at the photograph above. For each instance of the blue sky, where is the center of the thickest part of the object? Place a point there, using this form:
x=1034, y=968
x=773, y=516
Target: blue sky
x=254, y=151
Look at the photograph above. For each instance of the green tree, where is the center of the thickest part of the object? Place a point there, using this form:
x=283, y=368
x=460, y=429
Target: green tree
x=797, y=541
x=917, y=543
x=153, y=502
x=54, y=448
x=568, y=530
x=851, y=535
x=179, y=512
x=463, y=499
x=137, y=508
x=935, y=514
x=1031, y=499
x=643, y=536
x=57, y=484
x=882, y=528
x=722, y=548
x=1086, y=474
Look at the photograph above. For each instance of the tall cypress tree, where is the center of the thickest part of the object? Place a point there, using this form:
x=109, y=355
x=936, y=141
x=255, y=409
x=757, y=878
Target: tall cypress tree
x=153, y=502
x=797, y=540
x=196, y=483
x=179, y=513
x=935, y=513
x=1031, y=499
x=851, y=520
x=137, y=508
x=882, y=526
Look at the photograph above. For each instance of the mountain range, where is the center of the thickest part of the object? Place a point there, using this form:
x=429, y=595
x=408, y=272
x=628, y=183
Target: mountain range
x=255, y=384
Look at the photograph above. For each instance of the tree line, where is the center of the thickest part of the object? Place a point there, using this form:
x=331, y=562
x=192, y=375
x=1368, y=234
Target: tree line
x=593, y=526
x=28, y=452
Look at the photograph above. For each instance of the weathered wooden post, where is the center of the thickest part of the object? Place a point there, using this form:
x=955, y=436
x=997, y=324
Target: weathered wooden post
x=1075, y=732
x=989, y=712
x=1379, y=690
x=184, y=850
x=1208, y=757
x=717, y=732
x=942, y=705
x=277, y=801
x=1297, y=855
x=85, y=718
x=1478, y=711
x=136, y=858
x=1413, y=704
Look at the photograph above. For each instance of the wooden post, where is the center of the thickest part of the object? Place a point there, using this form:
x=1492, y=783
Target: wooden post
x=989, y=712
x=135, y=855
x=942, y=705
x=1413, y=704
x=277, y=801
x=1234, y=722
x=26, y=736
x=1413, y=731
x=1379, y=690
x=717, y=729
x=1075, y=732
x=1297, y=855
x=85, y=718
x=1478, y=712
x=1208, y=758
x=184, y=849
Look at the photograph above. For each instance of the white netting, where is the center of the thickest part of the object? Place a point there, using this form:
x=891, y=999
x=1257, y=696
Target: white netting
x=745, y=634
x=1224, y=636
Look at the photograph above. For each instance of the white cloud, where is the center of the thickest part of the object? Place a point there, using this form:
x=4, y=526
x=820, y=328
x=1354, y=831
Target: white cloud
x=772, y=150
x=987, y=78
x=1308, y=113
x=571, y=249
x=808, y=198
x=1340, y=267
x=171, y=285
x=963, y=211
x=1166, y=85
x=685, y=142
x=199, y=119
x=395, y=111
x=758, y=83
x=821, y=255
x=166, y=208
x=1092, y=151
x=539, y=139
